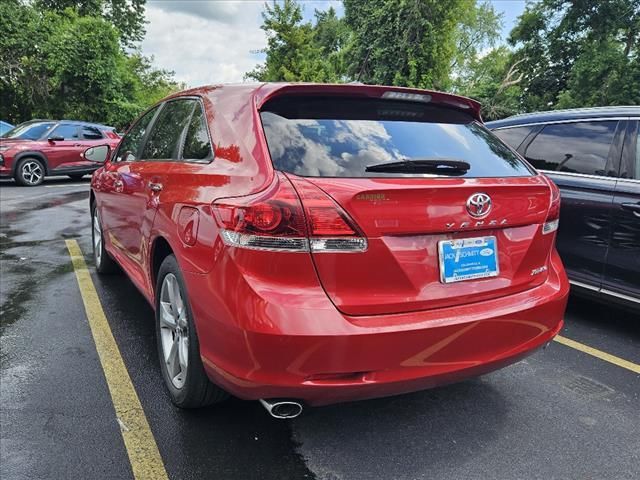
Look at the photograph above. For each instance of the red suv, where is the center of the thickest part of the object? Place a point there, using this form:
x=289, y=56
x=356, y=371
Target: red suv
x=323, y=243
x=39, y=148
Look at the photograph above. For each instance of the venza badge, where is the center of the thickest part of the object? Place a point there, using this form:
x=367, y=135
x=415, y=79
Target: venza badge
x=479, y=205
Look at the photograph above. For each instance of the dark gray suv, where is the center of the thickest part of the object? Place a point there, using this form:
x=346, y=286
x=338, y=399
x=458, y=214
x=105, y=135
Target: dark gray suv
x=593, y=155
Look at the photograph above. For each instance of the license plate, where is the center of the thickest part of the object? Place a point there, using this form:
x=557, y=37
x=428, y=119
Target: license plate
x=468, y=259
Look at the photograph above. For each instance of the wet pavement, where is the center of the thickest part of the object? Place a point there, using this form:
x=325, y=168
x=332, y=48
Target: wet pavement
x=558, y=414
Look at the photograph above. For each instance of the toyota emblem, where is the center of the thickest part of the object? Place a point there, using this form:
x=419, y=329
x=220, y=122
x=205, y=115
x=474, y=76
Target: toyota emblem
x=479, y=205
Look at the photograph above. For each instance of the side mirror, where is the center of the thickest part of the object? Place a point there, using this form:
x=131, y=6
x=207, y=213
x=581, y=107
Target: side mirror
x=97, y=154
x=56, y=138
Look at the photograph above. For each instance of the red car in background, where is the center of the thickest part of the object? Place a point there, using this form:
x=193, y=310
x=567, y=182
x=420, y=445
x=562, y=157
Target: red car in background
x=316, y=244
x=39, y=148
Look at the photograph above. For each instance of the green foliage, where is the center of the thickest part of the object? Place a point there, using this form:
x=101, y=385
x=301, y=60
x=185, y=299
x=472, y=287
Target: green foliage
x=581, y=53
x=493, y=80
x=478, y=29
x=403, y=42
x=67, y=65
x=127, y=16
x=562, y=53
x=297, y=51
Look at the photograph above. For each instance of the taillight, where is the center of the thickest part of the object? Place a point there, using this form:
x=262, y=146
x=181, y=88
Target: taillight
x=276, y=220
x=553, y=217
x=330, y=227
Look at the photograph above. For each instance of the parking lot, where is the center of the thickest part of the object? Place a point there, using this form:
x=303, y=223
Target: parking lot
x=567, y=412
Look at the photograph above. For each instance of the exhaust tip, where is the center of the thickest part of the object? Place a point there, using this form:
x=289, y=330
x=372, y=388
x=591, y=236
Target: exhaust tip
x=282, y=408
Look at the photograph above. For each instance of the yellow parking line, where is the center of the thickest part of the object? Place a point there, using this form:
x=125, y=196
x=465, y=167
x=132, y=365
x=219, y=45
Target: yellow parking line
x=607, y=357
x=144, y=456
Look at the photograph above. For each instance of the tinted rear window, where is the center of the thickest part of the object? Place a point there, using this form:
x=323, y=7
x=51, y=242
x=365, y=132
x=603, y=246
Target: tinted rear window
x=581, y=147
x=513, y=136
x=331, y=137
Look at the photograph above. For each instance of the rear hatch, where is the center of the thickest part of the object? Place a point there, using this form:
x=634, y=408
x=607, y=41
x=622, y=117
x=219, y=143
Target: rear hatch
x=411, y=176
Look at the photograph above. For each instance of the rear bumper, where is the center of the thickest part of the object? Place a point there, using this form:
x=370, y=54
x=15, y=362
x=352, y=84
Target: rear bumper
x=311, y=352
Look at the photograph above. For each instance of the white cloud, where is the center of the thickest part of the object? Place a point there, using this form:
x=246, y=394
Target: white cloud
x=204, y=42
x=222, y=11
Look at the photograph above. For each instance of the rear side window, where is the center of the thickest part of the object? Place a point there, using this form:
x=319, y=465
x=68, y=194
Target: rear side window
x=169, y=130
x=130, y=144
x=68, y=132
x=341, y=137
x=90, y=133
x=513, y=136
x=197, y=146
x=581, y=147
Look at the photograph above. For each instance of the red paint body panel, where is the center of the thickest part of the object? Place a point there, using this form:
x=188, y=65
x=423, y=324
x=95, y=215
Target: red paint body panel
x=279, y=339
x=330, y=327
x=404, y=223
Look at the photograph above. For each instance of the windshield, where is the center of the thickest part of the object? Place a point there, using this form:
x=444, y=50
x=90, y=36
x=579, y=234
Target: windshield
x=341, y=138
x=29, y=131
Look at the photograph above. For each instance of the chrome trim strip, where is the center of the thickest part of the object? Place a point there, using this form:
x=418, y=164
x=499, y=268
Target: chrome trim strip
x=584, y=285
x=572, y=120
x=579, y=175
x=585, y=175
x=620, y=295
x=604, y=291
x=629, y=180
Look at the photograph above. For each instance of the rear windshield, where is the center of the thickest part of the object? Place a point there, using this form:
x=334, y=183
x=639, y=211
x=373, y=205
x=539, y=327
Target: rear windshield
x=340, y=137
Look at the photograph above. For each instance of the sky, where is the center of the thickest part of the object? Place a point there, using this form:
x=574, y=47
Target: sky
x=218, y=41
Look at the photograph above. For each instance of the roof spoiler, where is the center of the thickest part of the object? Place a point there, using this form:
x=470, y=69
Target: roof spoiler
x=270, y=91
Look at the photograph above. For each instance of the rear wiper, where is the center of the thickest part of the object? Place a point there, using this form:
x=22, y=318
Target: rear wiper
x=426, y=165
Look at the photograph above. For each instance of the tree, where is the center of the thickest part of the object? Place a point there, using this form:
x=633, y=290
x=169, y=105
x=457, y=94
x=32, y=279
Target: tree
x=127, y=16
x=400, y=42
x=580, y=53
x=478, y=29
x=297, y=51
x=331, y=37
x=494, y=80
x=65, y=65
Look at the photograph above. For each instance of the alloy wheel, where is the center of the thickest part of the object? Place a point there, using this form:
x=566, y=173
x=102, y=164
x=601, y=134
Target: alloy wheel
x=174, y=330
x=32, y=172
x=97, y=237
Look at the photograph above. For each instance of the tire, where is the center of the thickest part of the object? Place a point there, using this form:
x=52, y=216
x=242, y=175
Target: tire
x=29, y=172
x=103, y=261
x=76, y=176
x=178, y=346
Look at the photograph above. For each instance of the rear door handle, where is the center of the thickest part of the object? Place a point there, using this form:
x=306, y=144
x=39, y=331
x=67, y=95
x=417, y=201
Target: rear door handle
x=155, y=187
x=634, y=207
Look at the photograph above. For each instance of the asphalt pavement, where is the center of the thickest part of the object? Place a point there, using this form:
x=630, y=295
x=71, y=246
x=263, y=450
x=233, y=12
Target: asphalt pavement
x=559, y=414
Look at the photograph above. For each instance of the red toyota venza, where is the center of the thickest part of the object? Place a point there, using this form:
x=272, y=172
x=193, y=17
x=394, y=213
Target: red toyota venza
x=313, y=244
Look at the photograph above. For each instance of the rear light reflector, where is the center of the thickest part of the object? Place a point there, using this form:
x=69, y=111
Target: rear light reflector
x=553, y=217
x=550, y=226
x=263, y=242
x=275, y=220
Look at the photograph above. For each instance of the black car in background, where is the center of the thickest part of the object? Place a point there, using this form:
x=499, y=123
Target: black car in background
x=593, y=155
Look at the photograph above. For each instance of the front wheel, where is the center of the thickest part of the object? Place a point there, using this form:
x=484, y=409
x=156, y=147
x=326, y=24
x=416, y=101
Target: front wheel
x=104, y=262
x=29, y=172
x=178, y=347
